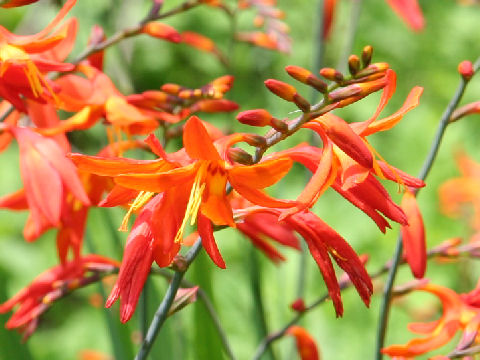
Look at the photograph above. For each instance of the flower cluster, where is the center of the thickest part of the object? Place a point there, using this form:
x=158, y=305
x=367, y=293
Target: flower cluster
x=211, y=181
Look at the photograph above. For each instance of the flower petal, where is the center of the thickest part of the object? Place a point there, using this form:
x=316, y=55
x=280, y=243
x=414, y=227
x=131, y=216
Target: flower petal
x=205, y=230
x=197, y=142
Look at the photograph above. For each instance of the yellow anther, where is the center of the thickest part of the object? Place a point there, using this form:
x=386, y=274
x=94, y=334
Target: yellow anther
x=141, y=199
x=194, y=201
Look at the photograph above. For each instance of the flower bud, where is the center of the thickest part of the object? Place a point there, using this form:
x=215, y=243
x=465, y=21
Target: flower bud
x=298, y=73
x=306, y=77
x=367, y=53
x=298, y=305
x=332, y=74
x=161, y=31
x=257, y=117
x=198, y=41
x=172, y=89
x=465, y=68
x=215, y=105
x=240, y=156
x=281, y=89
x=353, y=64
x=255, y=140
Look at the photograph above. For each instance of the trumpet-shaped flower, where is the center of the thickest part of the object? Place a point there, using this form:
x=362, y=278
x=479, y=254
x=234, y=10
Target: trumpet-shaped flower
x=193, y=189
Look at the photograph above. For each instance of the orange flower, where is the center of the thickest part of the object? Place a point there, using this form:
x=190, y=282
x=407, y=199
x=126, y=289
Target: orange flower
x=458, y=314
x=197, y=183
x=24, y=59
x=96, y=97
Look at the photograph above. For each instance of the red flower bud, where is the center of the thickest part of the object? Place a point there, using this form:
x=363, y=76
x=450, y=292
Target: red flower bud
x=298, y=305
x=257, y=117
x=465, y=68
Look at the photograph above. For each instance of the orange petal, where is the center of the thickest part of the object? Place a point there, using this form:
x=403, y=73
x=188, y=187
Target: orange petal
x=413, y=236
x=387, y=123
x=197, y=142
x=158, y=182
x=261, y=175
x=205, y=230
x=108, y=166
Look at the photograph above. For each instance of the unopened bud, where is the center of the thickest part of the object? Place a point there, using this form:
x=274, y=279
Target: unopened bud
x=353, y=64
x=240, y=156
x=172, y=89
x=214, y=105
x=332, y=74
x=298, y=305
x=255, y=140
x=281, y=89
x=298, y=73
x=367, y=53
x=306, y=77
x=465, y=68
x=161, y=31
x=257, y=117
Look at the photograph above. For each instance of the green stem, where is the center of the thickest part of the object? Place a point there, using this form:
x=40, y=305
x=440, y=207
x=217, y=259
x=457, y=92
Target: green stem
x=387, y=293
x=162, y=311
x=210, y=309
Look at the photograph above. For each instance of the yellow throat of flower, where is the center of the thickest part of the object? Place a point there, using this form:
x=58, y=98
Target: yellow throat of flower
x=142, y=198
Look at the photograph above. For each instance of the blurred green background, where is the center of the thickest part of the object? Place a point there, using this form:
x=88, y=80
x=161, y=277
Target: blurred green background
x=428, y=59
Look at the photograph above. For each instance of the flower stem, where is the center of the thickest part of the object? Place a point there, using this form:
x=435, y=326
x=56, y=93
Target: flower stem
x=162, y=311
x=210, y=309
x=427, y=165
x=135, y=30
